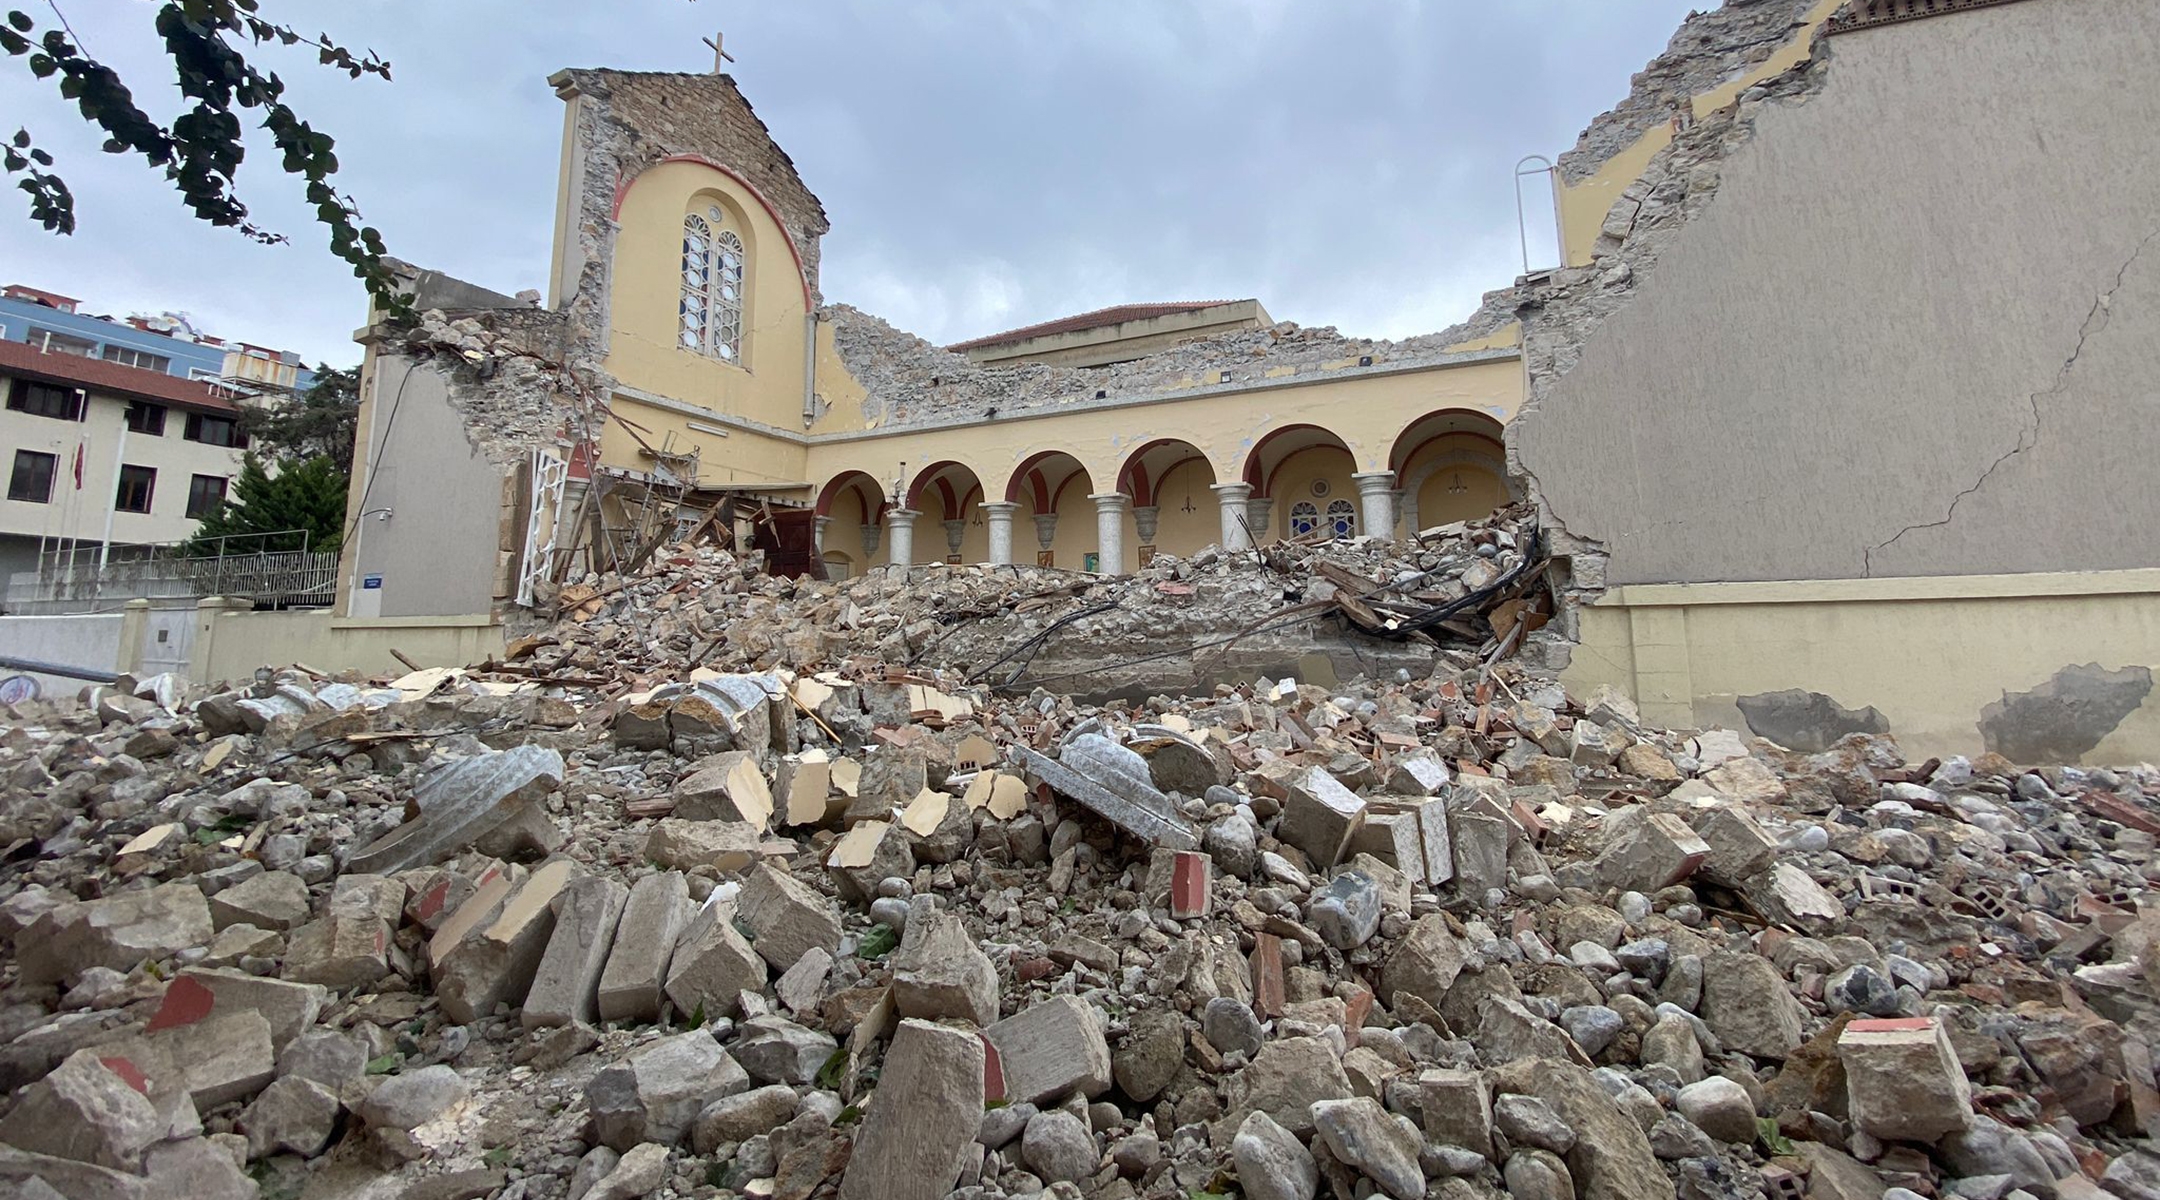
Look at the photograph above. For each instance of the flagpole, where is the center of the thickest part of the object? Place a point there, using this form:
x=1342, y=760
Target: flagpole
x=113, y=505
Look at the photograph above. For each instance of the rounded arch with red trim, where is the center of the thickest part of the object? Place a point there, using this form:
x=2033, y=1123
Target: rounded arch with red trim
x=1451, y=465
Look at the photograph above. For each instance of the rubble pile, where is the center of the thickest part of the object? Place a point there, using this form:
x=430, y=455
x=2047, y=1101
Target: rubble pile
x=782, y=917
x=1366, y=604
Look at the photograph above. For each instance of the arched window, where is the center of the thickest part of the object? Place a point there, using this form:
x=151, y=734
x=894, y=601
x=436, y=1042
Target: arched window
x=712, y=287
x=1304, y=518
x=1342, y=519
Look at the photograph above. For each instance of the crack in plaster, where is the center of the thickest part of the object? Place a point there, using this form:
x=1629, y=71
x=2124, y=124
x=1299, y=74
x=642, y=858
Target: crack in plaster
x=2096, y=321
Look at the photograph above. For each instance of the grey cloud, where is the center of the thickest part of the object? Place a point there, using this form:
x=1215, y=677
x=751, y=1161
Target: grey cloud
x=985, y=164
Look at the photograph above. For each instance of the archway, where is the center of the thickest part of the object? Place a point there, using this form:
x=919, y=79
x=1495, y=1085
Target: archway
x=1172, y=510
x=951, y=528
x=1301, y=485
x=851, y=517
x=1450, y=465
x=1056, y=519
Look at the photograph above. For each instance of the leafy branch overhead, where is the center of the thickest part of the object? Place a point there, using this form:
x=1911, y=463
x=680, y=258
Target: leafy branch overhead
x=200, y=151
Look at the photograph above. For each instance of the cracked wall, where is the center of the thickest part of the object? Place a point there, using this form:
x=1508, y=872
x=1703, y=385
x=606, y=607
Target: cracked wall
x=1908, y=330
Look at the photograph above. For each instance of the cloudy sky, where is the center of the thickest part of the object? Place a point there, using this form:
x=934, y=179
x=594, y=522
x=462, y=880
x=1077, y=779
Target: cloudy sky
x=986, y=163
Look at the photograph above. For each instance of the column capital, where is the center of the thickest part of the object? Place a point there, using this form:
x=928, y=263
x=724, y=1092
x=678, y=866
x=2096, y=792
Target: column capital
x=902, y=514
x=1109, y=501
x=1370, y=482
x=1001, y=507
x=1232, y=491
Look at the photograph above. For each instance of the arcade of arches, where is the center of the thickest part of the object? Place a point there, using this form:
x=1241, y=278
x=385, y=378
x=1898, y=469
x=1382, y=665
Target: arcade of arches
x=1167, y=497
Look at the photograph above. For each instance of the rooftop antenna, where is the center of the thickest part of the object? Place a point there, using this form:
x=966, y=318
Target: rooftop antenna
x=720, y=56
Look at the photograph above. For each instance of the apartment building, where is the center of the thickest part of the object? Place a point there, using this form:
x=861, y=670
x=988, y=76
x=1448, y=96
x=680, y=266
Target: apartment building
x=101, y=453
x=166, y=343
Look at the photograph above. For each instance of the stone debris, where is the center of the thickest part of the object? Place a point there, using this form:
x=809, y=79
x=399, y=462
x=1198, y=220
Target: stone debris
x=793, y=921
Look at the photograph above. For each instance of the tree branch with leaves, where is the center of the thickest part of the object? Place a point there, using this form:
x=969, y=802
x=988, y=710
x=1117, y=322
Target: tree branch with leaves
x=201, y=150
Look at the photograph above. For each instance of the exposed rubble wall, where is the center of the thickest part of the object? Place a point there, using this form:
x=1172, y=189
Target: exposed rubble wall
x=907, y=381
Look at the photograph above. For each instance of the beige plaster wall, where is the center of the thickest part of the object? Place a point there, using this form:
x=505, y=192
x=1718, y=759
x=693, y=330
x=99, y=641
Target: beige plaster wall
x=1916, y=333
x=1929, y=654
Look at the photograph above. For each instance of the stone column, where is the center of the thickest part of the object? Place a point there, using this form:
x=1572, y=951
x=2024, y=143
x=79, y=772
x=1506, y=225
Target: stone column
x=1396, y=501
x=1045, y=530
x=871, y=534
x=1260, y=511
x=1000, y=514
x=954, y=531
x=819, y=525
x=902, y=523
x=1110, y=532
x=1232, y=499
x=1376, y=497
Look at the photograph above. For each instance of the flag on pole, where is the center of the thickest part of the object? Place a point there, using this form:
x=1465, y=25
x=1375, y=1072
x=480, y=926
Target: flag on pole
x=78, y=466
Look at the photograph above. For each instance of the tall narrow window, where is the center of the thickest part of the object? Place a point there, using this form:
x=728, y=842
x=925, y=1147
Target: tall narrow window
x=711, y=312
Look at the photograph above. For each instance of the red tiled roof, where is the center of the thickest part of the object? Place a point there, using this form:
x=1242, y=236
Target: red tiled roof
x=109, y=378
x=1115, y=314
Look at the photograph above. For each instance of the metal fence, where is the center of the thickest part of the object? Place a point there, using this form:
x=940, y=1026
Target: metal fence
x=92, y=578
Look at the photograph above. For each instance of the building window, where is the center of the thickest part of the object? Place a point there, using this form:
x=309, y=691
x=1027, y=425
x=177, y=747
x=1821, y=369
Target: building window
x=60, y=343
x=1342, y=519
x=204, y=494
x=146, y=418
x=1304, y=518
x=33, y=477
x=136, y=484
x=215, y=431
x=142, y=359
x=46, y=400
x=711, y=312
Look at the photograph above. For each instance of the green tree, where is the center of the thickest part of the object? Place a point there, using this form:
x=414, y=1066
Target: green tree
x=306, y=496
x=200, y=150
x=320, y=422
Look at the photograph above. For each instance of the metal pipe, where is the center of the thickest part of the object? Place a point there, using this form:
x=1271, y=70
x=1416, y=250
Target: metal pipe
x=809, y=369
x=45, y=668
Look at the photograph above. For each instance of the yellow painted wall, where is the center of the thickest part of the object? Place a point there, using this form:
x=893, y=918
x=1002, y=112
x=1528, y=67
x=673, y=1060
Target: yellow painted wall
x=1437, y=505
x=930, y=538
x=1176, y=531
x=643, y=350
x=1583, y=204
x=1929, y=653
x=1368, y=413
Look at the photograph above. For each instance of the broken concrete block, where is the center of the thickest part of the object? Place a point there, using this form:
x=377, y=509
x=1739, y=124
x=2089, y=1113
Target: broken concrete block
x=939, y=973
x=1319, y=816
x=406, y=1101
x=870, y=853
x=216, y=1060
x=201, y=1168
x=801, y=988
x=1739, y=847
x=743, y=1116
x=491, y=889
x=774, y=1049
x=119, y=932
x=1378, y=1144
x=1271, y=1163
x=1903, y=1080
x=655, y=1094
x=1051, y=1050
x=1425, y=963
x=1747, y=1006
x=683, y=845
x=271, y=900
x=1393, y=833
x=339, y=952
x=1611, y=1158
x=806, y=784
x=923, y=1117
x=1457, y=1107
x=566, y=985
x=497, y=965
x=460, y=801
x=1288, y=1077
x=652, y=921
x=1646, y=851
x=86, y=1110
x=1421, y=773
x=1479, y=842
x=726, y=787
x=1791, y=896
x=1176, y=763
x=198, y=994
x=713, y=966
x=1113, y=782
x=291, y=1116
x=787, y=918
